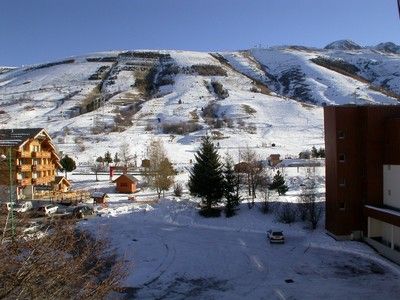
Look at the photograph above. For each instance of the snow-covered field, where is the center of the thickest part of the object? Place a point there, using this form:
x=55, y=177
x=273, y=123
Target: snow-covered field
x=175, y=253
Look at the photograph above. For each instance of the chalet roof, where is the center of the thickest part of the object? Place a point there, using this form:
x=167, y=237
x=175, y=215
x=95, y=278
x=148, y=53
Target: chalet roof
x=130, y=177
x=17, y=136
x=98, y=195
x=58, y=180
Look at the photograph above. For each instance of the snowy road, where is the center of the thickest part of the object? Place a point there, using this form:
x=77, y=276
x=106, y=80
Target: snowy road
x=181, y=262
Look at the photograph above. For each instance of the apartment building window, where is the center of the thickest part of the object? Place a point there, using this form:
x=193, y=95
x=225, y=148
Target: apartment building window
x=389, y=167
x=342, y=183
x=389, y=192
x=342, y=205
x=341, y=135
x=342, y=157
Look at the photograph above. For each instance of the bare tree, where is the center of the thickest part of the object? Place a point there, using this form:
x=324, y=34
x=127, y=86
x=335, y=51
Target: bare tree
x=64, y=263
x=125, y=154
x=253, y=171
x=160, y=174
x=263, y=186
x=310, y=210
x=96, y=167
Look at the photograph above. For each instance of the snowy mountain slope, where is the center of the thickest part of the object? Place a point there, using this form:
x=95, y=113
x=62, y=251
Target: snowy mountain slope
x=94, y=103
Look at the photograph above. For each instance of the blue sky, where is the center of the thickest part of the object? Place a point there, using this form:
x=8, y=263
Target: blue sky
x=34, y=31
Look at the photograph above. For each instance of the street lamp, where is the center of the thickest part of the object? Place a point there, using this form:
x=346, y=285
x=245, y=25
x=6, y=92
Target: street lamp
x=10, y=215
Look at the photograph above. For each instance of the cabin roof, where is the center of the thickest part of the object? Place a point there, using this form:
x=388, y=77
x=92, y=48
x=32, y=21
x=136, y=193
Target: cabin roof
x=130, y=177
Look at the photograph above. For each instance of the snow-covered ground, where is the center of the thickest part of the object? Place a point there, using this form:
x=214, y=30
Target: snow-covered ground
x=174, y=253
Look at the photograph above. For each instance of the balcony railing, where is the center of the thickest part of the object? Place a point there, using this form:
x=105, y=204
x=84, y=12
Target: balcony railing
x=45, y=167
x=24, y=181
x=24, y=168
x=43, y=180
x=41, y=154
x=23, y=154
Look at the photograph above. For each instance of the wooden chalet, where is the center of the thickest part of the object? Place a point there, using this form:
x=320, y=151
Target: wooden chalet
x=126, y=184
x=61, y=184
x=33, y=159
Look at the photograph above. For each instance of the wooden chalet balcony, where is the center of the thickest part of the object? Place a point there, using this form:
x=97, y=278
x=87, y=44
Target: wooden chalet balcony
x=24, y=181
x=43, y=180
x=41, y=154
x=45, y=167
x=23, y=154
x=24, y=168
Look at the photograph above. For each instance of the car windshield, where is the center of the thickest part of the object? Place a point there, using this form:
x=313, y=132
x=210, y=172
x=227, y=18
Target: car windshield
x=277, y=233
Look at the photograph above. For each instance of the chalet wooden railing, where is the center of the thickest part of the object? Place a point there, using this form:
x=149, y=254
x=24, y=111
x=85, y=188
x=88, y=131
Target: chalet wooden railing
x=63, y=197
x=24, y=168
x=43, y=167
x=41, y=154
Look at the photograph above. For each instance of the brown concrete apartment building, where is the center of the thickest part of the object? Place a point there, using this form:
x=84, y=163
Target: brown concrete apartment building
x=362, y=145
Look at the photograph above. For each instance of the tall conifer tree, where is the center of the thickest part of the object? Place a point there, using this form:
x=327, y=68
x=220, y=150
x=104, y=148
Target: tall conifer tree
x=206, y=178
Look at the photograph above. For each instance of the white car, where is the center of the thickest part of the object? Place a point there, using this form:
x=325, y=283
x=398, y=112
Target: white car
x=275, y=236
x=20, y=207
x=47, y=210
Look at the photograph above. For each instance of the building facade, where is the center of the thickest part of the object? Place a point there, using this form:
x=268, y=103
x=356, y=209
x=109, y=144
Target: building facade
x=362, y=145
x=29, y=159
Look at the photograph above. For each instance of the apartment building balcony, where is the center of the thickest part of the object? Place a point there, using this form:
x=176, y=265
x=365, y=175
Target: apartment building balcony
x=23, y=154
x=41, y=154
x=24, y=181
x=24, y=168
x=45, y=167
x=384, y=231
x=43, y=180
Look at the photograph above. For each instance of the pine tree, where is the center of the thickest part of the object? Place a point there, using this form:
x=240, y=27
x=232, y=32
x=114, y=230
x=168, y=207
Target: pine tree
x=230, y=183
x=116, y=159
x=278, y=184
x=107, y=158
x=314, y=152
x=68, y=164
x=206, y=179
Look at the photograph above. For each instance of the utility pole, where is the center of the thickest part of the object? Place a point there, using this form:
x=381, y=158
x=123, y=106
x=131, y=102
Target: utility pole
x=10, y=215
x=10, y=193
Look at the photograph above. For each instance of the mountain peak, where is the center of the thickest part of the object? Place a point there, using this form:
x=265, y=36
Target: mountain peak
x=343, y=45
x=388, y=47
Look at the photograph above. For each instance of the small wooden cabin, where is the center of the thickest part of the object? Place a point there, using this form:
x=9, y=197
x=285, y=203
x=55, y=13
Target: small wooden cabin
x=126, y=183
x=61, y=184
x=99, y=197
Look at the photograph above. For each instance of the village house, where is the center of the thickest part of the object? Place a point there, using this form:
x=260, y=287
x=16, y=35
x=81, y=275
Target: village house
x=61, y=184
x=126, y=184
x=99, y=197
x=362, y=146
x=29, y=158
x=274, y=159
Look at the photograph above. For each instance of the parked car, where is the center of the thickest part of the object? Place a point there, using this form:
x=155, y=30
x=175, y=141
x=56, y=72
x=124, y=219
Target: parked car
x=32, y=227
x=275, y=236
x=47, y=210
x=82, y=211
x=21, y=206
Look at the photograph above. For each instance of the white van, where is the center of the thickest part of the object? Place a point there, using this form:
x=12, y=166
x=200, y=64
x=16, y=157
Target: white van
x=21, y=206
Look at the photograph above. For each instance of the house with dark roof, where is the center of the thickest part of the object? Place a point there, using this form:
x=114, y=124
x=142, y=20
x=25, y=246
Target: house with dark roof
x=28, y=158
x=126, y=183
x=99, y=197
